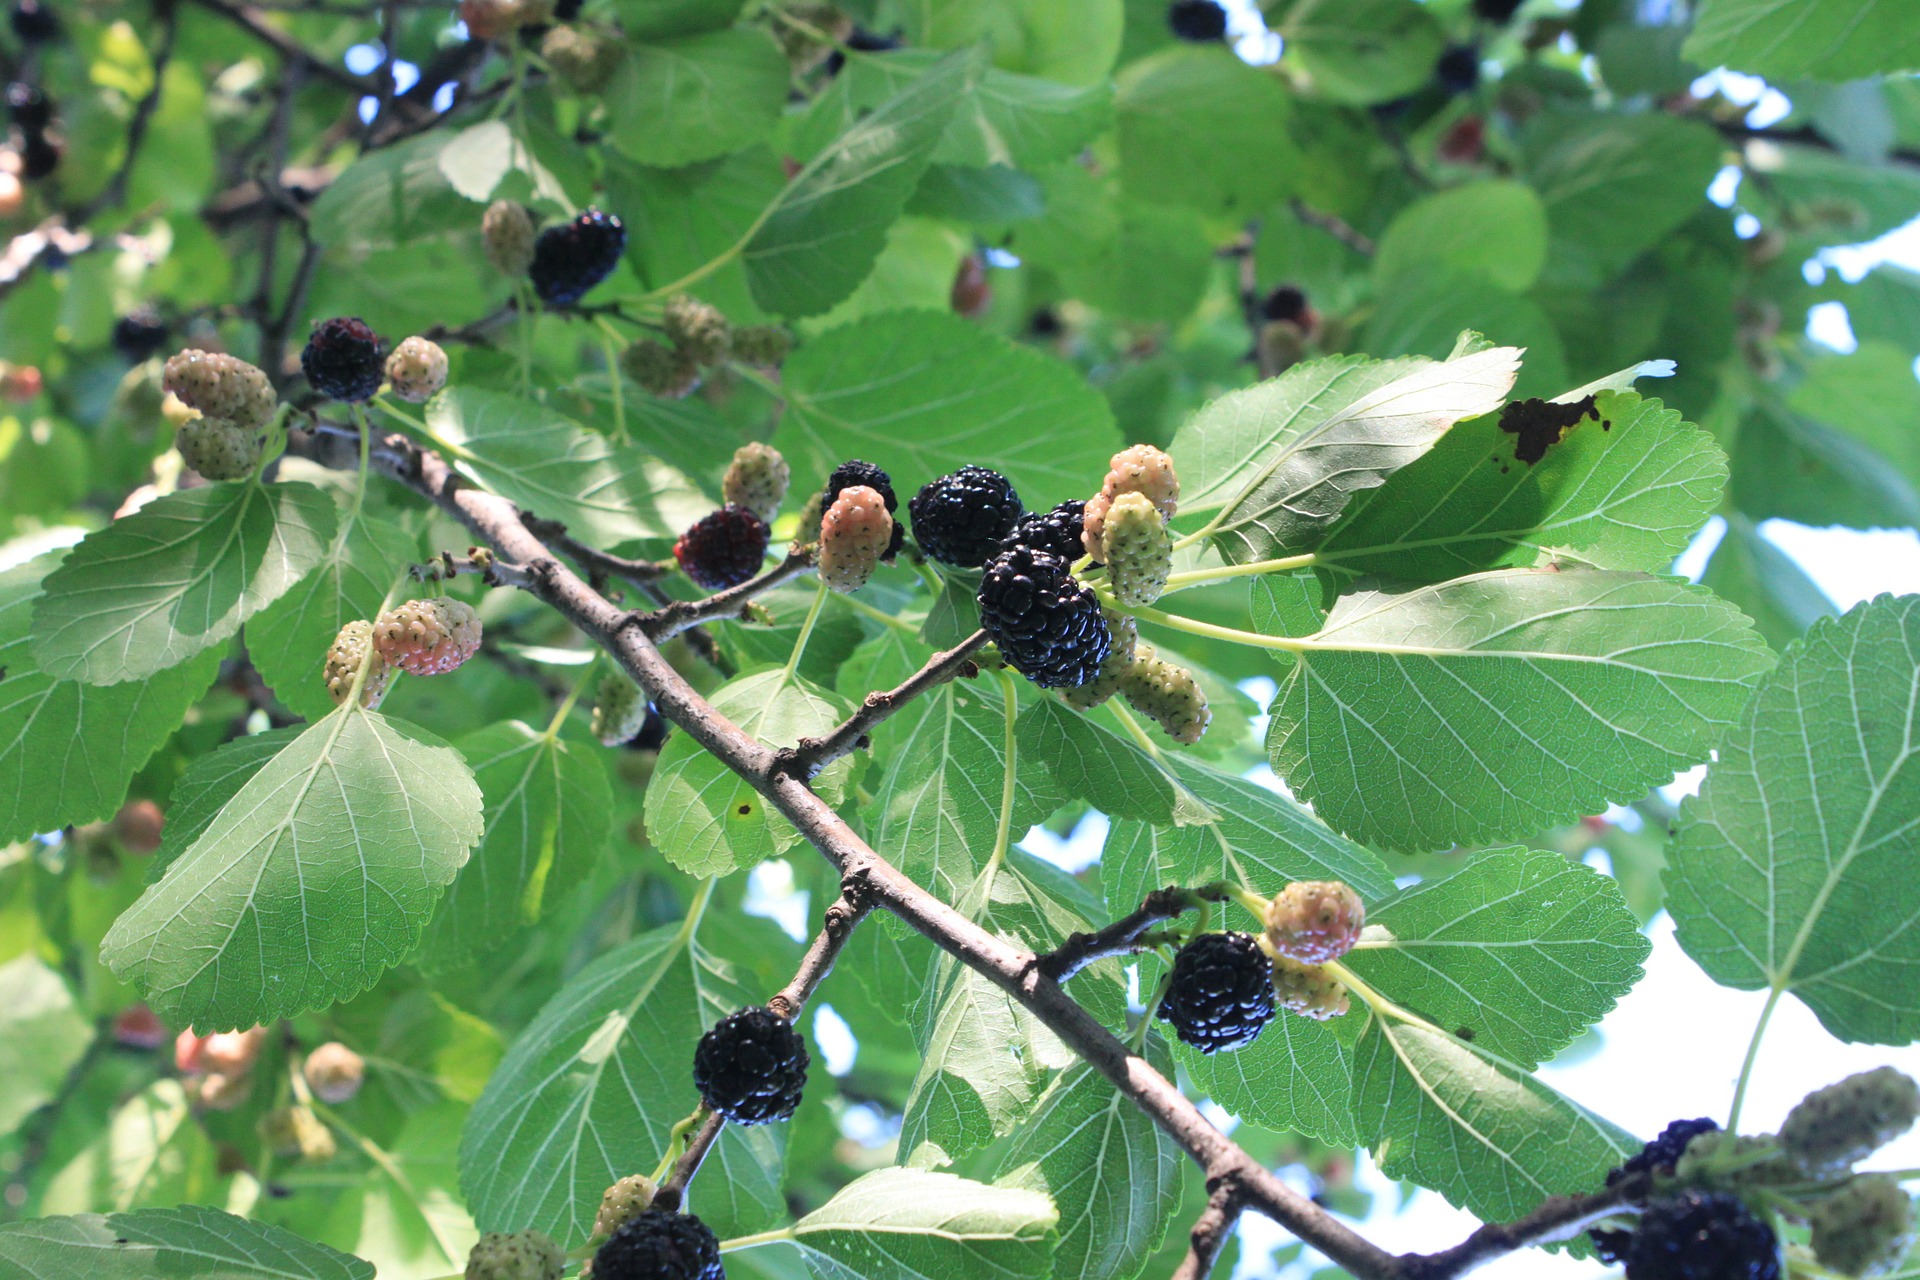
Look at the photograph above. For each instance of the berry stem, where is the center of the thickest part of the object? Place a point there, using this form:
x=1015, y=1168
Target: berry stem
x=757, y=1239
x=806, y=631
x=610, y=342
x=366, y=455
x=392, y=1168
x=1247, y=898
x=1196, y=577
x=572, y=699
x=1753, y=1056
x=1194, y=626
x=1009, y=781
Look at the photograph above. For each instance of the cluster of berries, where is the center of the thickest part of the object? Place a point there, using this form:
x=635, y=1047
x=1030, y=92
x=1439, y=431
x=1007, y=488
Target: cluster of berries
x=699, y=337
x=564, y=261
x=231, y=403
x=1226, y=987
x=420, y=637
x=1700, y=1222
x=343, y=360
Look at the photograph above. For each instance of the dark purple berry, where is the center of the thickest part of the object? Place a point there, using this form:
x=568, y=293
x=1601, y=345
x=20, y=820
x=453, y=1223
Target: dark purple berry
x=723, y=549
x=1197, y=20
x=1047, y=625
x=751, y=1067
x=570, y=259
x=960, y=519
x=656, y=1244
x=1221, y=993
x=344, y=359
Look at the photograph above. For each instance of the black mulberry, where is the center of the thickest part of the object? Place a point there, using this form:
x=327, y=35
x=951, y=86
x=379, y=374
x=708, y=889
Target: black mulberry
x=723, y=549
x=1702, y=1235
x=1056, y=532
x=659, y=1245
x=571, y=258
x=344, y=360
x=1048, y=626
x=1197, y=20
x=751, y=1067
x=1221, y=992
x=960, y=519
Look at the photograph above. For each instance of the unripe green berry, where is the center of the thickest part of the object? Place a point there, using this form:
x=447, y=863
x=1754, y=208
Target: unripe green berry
x=417, y=368
x=349, y=649
x=1137, y=549
x=221, y=386
x=585, y=58
x=1167, y=694
x=757, y=479
x=661, y=370
x=507, y=235
x=1309, y=990
x=619, y=710
x=698, y=329
x=1120, y=659
x=1864, y=1226
x=622, y=1202
x=218, y=449
x=763, y=345
x=1835, y=1126
x=523, y=1255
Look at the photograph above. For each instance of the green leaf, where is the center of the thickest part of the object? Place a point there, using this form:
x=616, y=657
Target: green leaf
x=1275, y=464
x=68, y=750
x=1523, y=948
x=697, y=97
x=288, y=640
x=1625, y=489
x=591, y=1089
x=913, y=1224
x=1615, y=185
x=150, y=1151
x=1424, y=316
x=42, y=1034
x=1113, y=1173
x=1072, y=41
x=1261, y=840
x=1790, y=466
x=188, y=1241
x=1789, y=869
x=1481, y=1132
x=1820, y=39
x=1189, y=117
x=1871, y=395
x=1765, y=583
x=559, y=469
x=678, y=220
x=1494, y=230
x=938, y=800
x=704, y=817
x=1091, y=763
x=1359, y=51
x=1294, y=1078
x=658, y=19
x=549, y=817
x=393, y=198
x=820, y=237
x=1140, y=261
x=404, y=1209
x=922, y=393
x=314, y=879
x=207, y=785
x=177, y=576
x=1497, y=704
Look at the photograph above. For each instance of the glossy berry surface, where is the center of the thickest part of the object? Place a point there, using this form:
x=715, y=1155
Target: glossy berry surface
x=751, y=1067
x=1221, y=993
x=723, y=549
x=1702, y=1235
x=1047, y=626
x=660, y=1245
x=1660, y=1155
x=1056, y=531
x=960, y=519
x=568, y=260
x=343, y=359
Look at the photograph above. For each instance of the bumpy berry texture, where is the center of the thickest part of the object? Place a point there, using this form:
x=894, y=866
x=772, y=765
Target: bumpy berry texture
x=960, y=519
x=1197, y=20
x=1863, y=1227
x=417, y=368
x=622, y=1202
x=1833, y=1127
x=1167, y=694
x=1138, y=550
x=1702, y=1235
x=1140, y=469
x=658, y=1245
x=757, y=479
x=506, y=235
x=1719, y=1158
x=619, y=710
x=660, y=370
x=1664, y=1152
x=854, y=534
x=1308, y=990
x=568, y=260
x=219, y=450
x=523, y=1255
x=751, y=1067
x=342, y=359
x=723, y=549
x=1219, y=996
x=1047, y=626
x=334, y=1072
x=139, y=335
x=583, y=57
x=1124, y=635
x=698, y=329
x=765, y=345
x=853, y=472
x=428, y=637
x=1056, y=530
x=1314, y=921
x=220, y=386
x=344, y=657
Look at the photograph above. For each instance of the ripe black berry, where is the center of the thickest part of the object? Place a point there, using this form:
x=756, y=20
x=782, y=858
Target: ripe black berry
x=1660, y=1155
x=1221, y=992
x=960, y=519
x=1197, y=20
x=139, y=335
x=33, y=21
x=853, y=472
x=29, y=108
x=343, y=359
x=1458, y=69
x=1056, y=532
x=38, y=157
x=1498, y=11
x=1048, y=626
x=660, y=1245
x=1287, y=302
x=751, y=1067
x=861, y=41
x=723, y=549
x=571, y=258
x=1702, y=1235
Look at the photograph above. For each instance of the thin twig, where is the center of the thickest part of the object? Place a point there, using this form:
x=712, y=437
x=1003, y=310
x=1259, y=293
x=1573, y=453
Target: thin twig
x=1559, y=1218
x=1334, y=226
x=812, y=755
x=1123, y=935
x=255, y=23
x=1210, y=1230
x=681, y=615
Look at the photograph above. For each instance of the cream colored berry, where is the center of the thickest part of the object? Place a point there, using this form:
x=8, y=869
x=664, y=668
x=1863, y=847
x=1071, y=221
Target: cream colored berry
x=417, y=368
x=662, y=370
x=1138, y=550
x=853, y=536
x=1314, y=921
x=757, y=479
x=295, y=1133
x=699, y=330
x=219, y=449
x=1125, y=634
x=507, y=235
x=622, y=1202
x=1140, y=469
x=334, y=1072
x=221, y=386
x=1308, y=990
x=523, y=1255
x=349, y=649
x=619, y=710
x=428, y=637
x=1167, y=694
x=584, y=57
